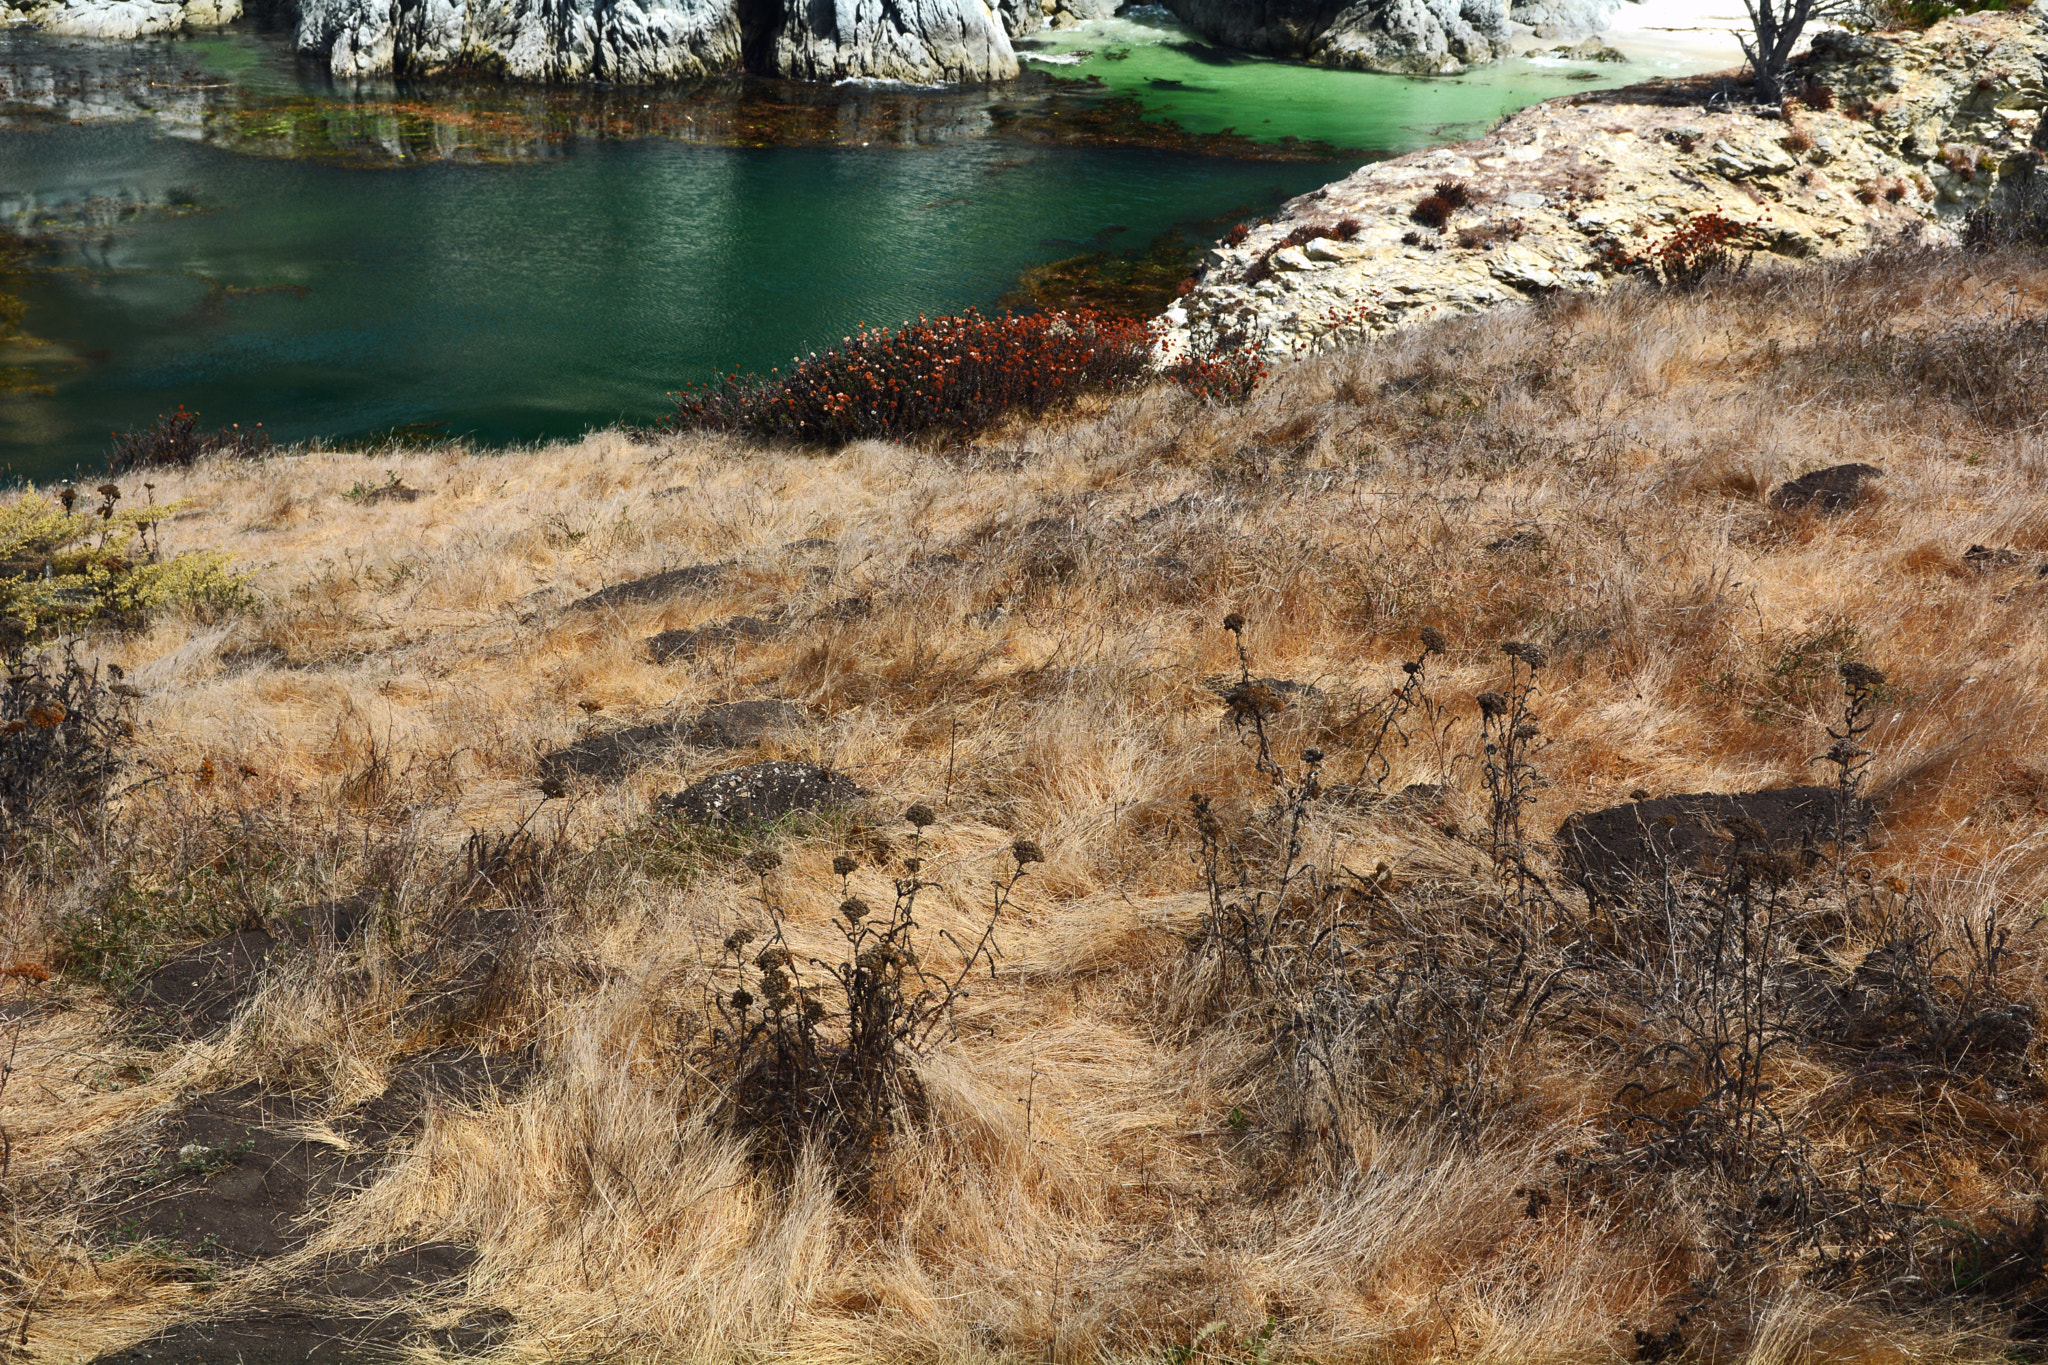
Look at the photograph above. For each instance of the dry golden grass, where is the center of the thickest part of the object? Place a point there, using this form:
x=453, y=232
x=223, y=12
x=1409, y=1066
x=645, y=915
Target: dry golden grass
x=1591, y=476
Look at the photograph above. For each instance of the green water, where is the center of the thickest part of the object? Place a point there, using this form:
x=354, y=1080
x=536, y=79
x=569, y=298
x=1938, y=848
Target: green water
x=1146, y=53
x=221, y=231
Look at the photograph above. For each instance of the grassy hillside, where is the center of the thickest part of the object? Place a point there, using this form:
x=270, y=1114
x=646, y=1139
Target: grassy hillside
x=1310, y=1069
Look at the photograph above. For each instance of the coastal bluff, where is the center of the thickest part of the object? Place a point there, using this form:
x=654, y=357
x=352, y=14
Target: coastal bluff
x=1895, y=133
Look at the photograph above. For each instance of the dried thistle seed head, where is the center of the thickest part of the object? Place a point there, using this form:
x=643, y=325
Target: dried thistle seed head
x=921, y=815
x=1411, y=668
x=1027, y=851
x=68, y=496
x=1492, y=704
x=111, y=492
x=913, y=865
x=553, y=788
x=1433, y=641
x=1846, y=751
x=1311, y=756
x=738, y=939
x=742, y=998
x=1862, y=676
x=763, y=861
x=1527, y=730
x=1529, y=654
x=1233, y=623
x=853, y=909
x=844, y=866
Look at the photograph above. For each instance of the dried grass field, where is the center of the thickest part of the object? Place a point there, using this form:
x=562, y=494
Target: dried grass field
x=1340, y=1063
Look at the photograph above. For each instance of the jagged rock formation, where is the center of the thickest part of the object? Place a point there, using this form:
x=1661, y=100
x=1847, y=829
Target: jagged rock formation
x=1899, y=133
x=640, y=41
x=119, y=18
x=1416, y=36
x=621, y=41
x=1564, y=18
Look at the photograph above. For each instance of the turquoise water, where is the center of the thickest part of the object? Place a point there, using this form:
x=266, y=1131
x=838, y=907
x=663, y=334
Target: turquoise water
x=1144, y=52
x=514, y=265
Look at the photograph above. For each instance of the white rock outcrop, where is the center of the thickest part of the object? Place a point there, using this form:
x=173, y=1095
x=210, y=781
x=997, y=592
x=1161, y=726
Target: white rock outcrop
x=1423, y=37
x=120, y=19
x=1899, y=133
x=642, y=41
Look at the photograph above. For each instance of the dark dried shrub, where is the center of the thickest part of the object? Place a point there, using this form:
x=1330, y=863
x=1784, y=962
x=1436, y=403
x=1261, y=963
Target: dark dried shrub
x=1456, y=193
x=1347, y=228
x=814, y=1052
x=2017, y=216
x=61, y=736
x=948, y=376
x=1237, y=234
x=1817, y=95
x=175, y=440
x=1995, y=371
x=1433, y=211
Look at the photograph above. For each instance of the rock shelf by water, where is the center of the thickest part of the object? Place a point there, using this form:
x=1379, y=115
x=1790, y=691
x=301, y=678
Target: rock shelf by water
x=1918, y=128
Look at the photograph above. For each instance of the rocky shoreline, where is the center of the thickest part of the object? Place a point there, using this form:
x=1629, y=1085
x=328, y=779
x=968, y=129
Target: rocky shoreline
x=1897, y=133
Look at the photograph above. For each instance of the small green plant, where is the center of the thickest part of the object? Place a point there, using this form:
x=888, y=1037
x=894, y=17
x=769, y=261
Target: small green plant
x=1797, y=682
x=1255, y=1348
x=195, y=1160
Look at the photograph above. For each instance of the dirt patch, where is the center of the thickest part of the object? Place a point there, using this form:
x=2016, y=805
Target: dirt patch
x=655, y=587
x=1777, y=832
x=672, y=645
x=731, y=725
x=230, y=1179
x=429, y=1267
x=1834, y=489
x=200, y=989
x=288, y=1336
x=764, y=792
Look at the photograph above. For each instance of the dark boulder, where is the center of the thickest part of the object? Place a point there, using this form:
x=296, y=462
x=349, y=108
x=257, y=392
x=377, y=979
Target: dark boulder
x=1772, y=833
x=762, y=793
x=729, y=725
x=671, y=645
x=658, y=587
x=1834, y=489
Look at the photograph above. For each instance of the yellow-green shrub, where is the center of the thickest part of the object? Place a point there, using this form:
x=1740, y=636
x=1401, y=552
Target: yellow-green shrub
x=63, y=566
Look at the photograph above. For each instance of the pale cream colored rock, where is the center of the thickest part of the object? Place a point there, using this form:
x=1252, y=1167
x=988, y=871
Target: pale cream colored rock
x=1925, y=126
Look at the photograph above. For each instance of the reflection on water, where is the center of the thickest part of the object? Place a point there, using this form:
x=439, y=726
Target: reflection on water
x=215, y=228
x=523, y=300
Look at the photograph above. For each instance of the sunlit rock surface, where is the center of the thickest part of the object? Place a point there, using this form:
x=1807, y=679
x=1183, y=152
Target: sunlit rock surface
x=120, y=18
x=1430, y=37
x=629, y=41
x=1905, y=132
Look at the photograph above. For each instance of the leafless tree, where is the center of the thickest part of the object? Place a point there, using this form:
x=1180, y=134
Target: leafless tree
x=1774, y=30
